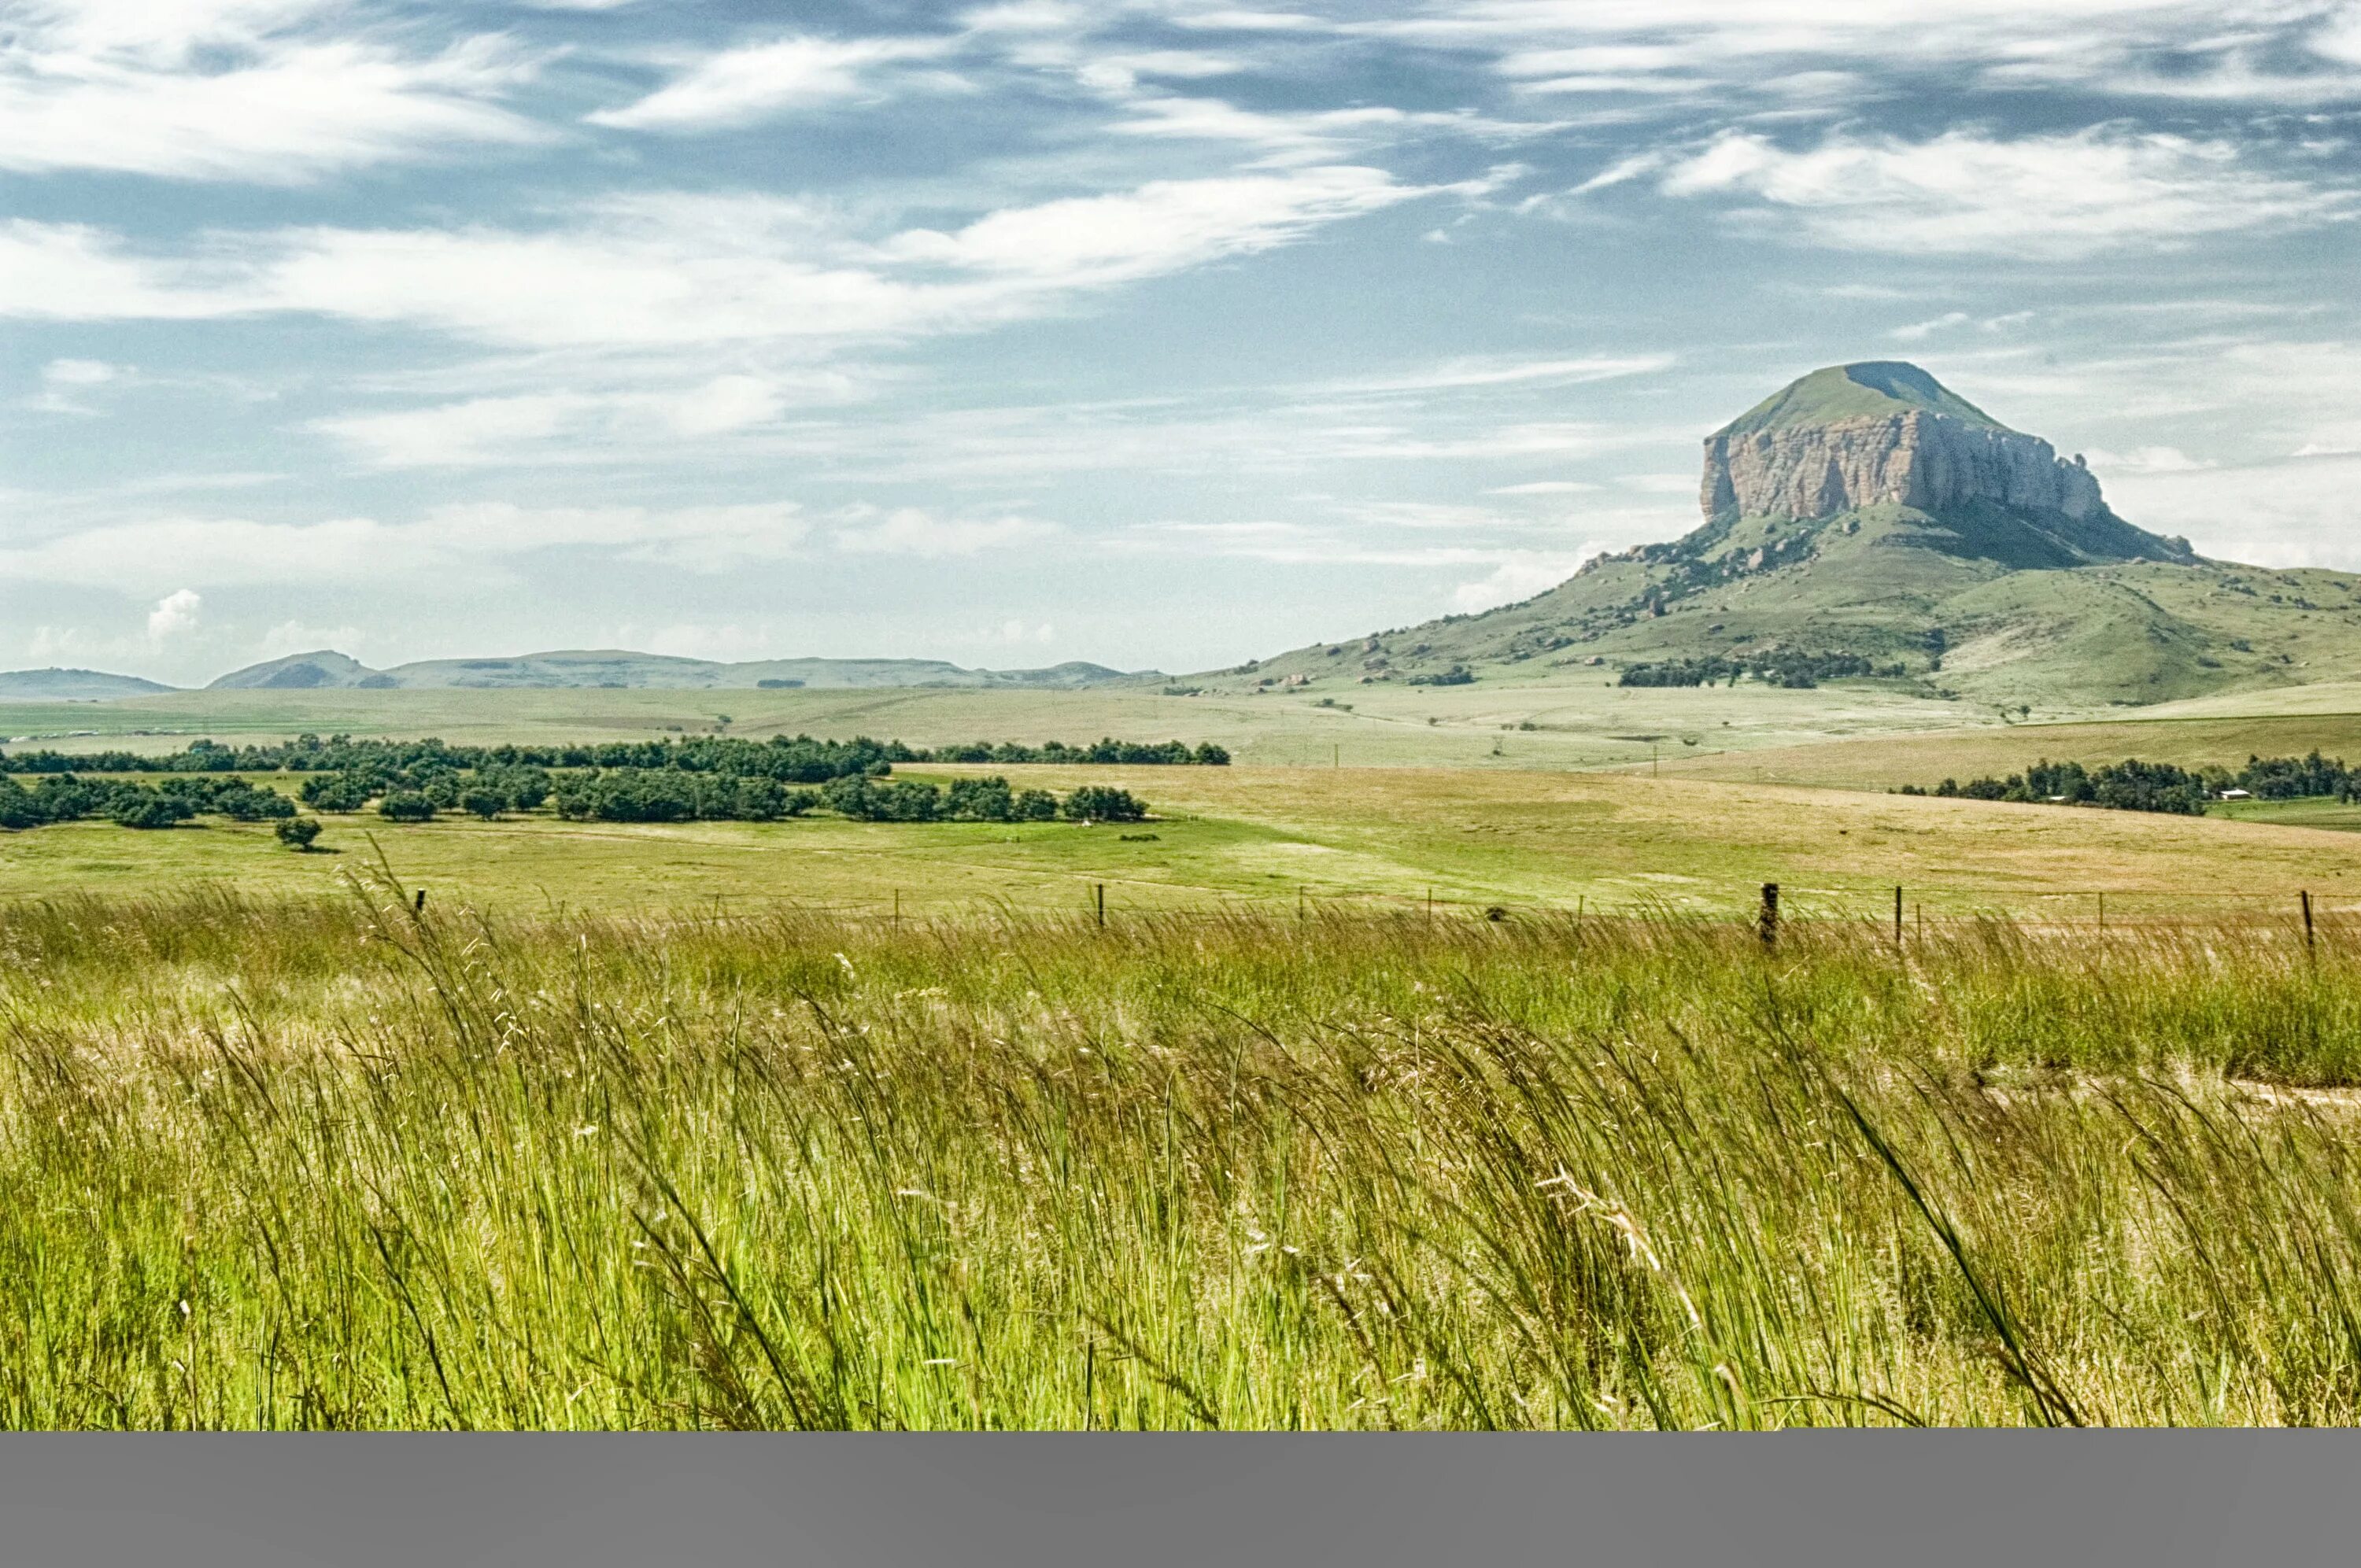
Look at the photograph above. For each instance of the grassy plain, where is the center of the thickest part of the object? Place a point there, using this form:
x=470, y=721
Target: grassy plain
x=1575, y=723
x=1275, y=835
x=291, y=1164
x=1927, y=760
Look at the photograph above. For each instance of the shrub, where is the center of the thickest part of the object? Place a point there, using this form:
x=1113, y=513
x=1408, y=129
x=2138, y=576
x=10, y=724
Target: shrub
x=1034, y=805
x=482, y=802
x=297, y=832
x=406, y=806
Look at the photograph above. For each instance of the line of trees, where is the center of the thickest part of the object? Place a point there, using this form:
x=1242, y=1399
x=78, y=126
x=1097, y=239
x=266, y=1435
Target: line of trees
x=655, y=796
x=799, y=760
x=2134, y=786
x=64, y=797
x=617, y=795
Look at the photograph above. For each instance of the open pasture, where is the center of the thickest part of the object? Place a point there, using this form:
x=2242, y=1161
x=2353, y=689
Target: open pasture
x=1275, y=837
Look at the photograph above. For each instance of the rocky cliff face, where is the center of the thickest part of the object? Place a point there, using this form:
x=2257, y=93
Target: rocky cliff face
x=1919, y=459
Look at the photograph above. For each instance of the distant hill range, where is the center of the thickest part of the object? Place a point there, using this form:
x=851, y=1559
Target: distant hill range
x=1867, y=522
x=615, y=668
x=71, y=685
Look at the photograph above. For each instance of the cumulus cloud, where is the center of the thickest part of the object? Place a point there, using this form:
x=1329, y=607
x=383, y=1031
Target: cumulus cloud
x=1964, y=192
x=1520, y=576
x=175, y=615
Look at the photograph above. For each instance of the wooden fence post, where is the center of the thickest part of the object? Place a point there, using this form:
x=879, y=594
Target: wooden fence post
x=1898, y=916
x=1101, y=888
x=2308, y=947
x=418, y=907
x=1767, y=923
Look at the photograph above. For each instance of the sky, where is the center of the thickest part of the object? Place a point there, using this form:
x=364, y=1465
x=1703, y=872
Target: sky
x=1154, y=332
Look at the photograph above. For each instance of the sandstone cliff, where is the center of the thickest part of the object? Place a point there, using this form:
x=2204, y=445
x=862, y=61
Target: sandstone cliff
x=1914, y=457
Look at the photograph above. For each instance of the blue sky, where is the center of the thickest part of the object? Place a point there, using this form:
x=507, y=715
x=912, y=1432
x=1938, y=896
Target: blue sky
x=1162, y=333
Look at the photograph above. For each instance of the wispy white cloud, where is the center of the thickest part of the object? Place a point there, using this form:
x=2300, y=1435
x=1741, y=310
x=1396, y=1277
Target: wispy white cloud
x=1755, y=48
x=1471, y=373
x=66, y=385
x=650, y=273
x=2038, y=196
x=145, y=553
x=591, y=426
x=911, y=531
x=1917, y=332
x=740, y=86
x=223, y=90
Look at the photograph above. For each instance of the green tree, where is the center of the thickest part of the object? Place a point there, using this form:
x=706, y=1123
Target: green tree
x=1100, y=803
x=406, y=806
x=153, y=811
x=482, y=801
x=297, y=832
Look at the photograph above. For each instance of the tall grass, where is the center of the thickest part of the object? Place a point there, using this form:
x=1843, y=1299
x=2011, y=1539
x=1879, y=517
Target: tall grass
x=346, y=1166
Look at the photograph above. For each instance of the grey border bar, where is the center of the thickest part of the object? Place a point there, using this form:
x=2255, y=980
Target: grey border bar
x=1926, y=1499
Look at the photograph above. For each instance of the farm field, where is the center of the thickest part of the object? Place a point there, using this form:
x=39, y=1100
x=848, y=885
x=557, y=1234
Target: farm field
x=1274, y=836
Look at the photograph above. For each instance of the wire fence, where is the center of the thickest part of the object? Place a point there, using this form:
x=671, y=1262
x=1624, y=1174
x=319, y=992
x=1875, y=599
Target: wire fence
x=1901, y=909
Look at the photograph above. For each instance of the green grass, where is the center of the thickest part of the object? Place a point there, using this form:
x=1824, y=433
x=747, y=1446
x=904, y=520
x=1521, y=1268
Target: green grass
x=1270, y=837
x=291, y=1164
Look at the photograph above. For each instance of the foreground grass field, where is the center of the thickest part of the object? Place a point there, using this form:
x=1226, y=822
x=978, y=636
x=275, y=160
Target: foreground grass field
x=1272, y=837
x=330, y=1165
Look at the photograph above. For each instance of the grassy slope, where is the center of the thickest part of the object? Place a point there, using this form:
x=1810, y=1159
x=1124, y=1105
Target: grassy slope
x=1869, y=390
x=1271, y=834
x=2138, y=632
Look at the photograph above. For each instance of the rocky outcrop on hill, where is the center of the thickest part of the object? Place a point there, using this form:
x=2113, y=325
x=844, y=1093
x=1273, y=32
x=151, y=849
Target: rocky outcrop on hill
x=1915, y=458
